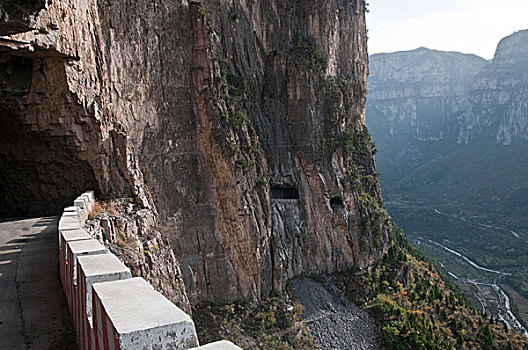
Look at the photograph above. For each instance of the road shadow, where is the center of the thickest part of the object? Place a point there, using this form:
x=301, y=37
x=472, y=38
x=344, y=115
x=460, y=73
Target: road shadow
x=30, y=262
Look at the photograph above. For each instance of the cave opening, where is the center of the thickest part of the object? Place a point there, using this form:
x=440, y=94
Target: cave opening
x=337, y=204
x=284, y=192
x=40, y=172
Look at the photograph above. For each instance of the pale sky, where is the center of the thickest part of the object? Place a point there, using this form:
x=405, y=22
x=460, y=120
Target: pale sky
x=468, y=26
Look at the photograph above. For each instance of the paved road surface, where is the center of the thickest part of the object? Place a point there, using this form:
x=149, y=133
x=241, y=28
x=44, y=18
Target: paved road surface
x=33, y=310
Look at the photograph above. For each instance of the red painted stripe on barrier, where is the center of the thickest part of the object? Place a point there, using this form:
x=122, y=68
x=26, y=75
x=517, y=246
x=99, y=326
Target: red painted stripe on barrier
x=104, y=326
x=75, y=314
x=62, y=263
x=116, y=338
x=66, y=282
x=96, y=322
x=69, y=282
x=61, y=259
x=90, y=337
x=82, y=308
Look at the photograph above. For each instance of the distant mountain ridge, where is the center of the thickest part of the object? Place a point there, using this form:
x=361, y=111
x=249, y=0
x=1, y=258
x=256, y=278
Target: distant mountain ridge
x=433, y=95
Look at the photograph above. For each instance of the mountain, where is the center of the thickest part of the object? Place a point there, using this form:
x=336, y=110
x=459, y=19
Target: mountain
x=451, y=133
x=457, y=113
x=499, y=95
x=226, y=142
x=421, y=92
x=417, y=95
x=434, y=95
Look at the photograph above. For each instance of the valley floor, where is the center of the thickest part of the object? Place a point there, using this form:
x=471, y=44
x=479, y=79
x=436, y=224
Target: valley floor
x=459, y=251
x=484, y=285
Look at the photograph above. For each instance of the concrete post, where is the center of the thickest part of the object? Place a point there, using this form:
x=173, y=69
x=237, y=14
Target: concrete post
x=64, y=238
x=69, y=223
x=93, y=269
x=130, y=314
x=73, y=250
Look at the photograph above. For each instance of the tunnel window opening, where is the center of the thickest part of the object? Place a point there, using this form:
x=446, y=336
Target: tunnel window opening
x=284, y=192
x=337, y=204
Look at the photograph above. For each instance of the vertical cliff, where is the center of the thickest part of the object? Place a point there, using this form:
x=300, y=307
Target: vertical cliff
x=499, y=95
x=429, y=95
x=239, y=124
x=279, y=93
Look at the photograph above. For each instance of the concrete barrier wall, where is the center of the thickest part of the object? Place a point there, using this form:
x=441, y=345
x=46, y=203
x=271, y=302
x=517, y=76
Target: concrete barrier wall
x=110, y=309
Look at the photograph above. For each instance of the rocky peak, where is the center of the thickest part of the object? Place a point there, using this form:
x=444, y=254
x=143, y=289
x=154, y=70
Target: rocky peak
x=497, y=100
x=512, y=49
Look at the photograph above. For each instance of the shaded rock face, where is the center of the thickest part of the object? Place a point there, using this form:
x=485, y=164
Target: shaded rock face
x=43, y=162
x=199, y=111
x=15, y=15
x=37, y=170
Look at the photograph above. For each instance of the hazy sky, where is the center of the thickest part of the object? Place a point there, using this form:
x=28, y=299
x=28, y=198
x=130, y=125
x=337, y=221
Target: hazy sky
x=469, y=26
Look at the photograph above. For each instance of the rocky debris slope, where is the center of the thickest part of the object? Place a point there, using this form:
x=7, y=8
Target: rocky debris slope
x=335, y=323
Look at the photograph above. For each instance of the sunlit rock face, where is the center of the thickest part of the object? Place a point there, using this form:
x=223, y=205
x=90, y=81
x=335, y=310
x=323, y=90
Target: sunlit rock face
x=238, y=124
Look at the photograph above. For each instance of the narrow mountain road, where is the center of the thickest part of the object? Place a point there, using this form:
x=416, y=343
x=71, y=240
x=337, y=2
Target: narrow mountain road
x=33, y=309
x=335, y=323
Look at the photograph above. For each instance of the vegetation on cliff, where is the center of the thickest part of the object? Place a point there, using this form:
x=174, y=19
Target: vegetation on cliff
x=453, y=162
x=418, y=309
x=270, y=324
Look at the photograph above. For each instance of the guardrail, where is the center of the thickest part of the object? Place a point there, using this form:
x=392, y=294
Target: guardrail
x=111, y=309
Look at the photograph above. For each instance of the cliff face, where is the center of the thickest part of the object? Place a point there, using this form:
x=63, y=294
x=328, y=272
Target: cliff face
x=499, y=94
x=238, y=124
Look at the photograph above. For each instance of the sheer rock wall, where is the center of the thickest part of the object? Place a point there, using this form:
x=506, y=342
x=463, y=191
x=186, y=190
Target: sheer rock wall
x=203, y=111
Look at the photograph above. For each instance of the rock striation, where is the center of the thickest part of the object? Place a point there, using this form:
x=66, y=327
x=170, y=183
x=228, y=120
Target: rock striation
x=239, y=125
